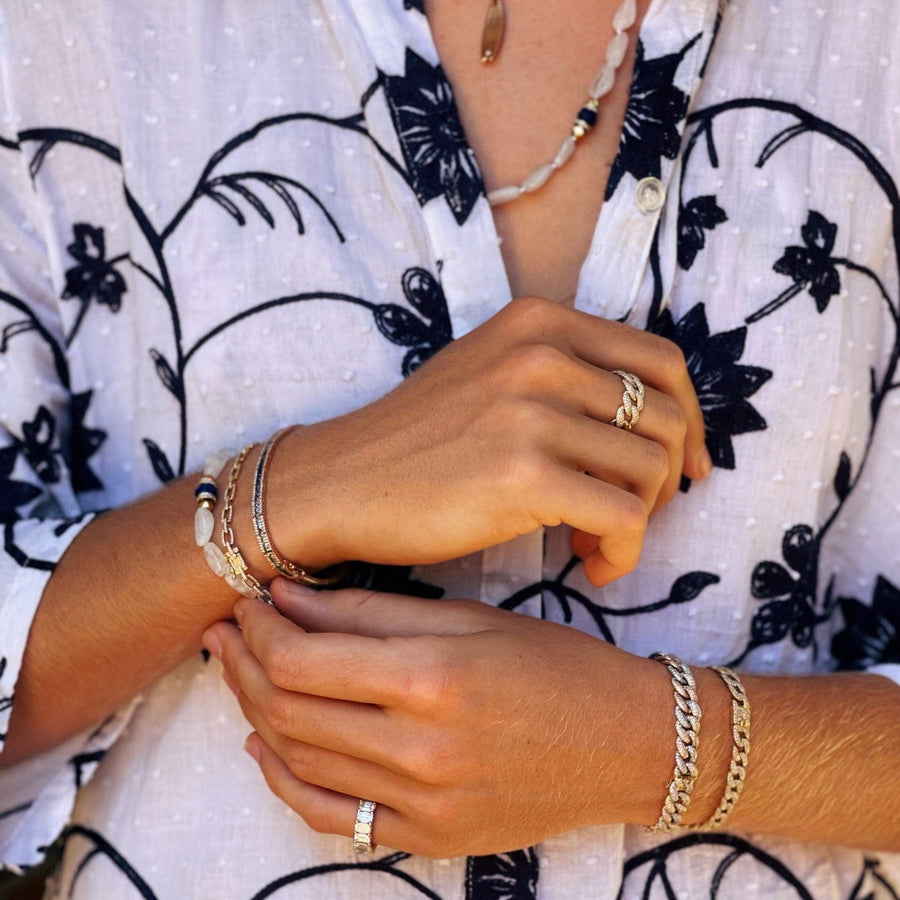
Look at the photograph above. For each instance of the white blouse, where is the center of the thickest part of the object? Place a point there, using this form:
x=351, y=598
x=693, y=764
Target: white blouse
x=274, y=203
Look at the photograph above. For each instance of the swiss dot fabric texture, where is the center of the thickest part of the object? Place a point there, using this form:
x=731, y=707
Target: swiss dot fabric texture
x=276, y=201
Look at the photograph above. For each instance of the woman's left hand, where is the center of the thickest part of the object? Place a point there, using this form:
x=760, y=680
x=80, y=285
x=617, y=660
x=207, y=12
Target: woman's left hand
x=476, y=730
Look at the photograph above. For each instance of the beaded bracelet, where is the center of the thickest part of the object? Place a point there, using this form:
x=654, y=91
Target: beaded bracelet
x=281, y=565
x=740, y=729
x=229, y=564
x=687, y=727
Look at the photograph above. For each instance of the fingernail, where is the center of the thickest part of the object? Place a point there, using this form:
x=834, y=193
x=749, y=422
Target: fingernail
x=212, y=643
x=251, y=745
x=704, y=462
x=295, y=589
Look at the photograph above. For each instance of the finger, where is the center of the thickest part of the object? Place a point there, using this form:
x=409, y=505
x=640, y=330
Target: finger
x=659, y=363
x=597, y=568
x=325, y=811
x=596, y=507
x=583, y=544
x=375, y=614
x=288, y=675
x=618, y=557
x=374, y=674
x=621, y=458
x=330, y=769
x=288, y=719
x=661, y=420
x=574, y=385
x=599, y=571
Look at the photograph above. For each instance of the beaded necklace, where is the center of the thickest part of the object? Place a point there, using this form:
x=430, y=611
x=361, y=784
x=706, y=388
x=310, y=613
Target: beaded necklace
x=586, y=117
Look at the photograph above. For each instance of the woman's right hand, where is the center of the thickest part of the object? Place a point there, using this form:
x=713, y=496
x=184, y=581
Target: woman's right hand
x=506, y=429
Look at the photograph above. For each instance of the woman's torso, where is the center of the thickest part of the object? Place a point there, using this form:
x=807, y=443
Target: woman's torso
x=295, y=176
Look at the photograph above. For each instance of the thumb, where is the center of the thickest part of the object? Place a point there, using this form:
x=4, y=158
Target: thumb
x=361, y=611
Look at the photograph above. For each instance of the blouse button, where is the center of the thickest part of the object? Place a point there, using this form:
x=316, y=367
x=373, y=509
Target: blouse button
x=649, y=195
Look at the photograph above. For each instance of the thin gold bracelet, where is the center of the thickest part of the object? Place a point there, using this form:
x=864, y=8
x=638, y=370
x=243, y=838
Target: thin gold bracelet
x=740, y=729
x=258, y=508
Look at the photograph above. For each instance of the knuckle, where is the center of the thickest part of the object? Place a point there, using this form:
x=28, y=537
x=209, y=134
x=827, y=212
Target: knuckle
x=432, y=809
x=632, y=517
x=534, y=363
x=524, y=469
x=300, y=762
x=277, y=711
x=673, y=418
x=523, y=419
x=419, y=761
x=280, y=663
x=430, y=760
x=656, y=463
x=429, y=685
x=670, y=361
x=527, y=312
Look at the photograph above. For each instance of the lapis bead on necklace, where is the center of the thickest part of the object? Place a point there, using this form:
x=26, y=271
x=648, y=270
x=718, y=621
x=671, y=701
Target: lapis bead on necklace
x=588, y=116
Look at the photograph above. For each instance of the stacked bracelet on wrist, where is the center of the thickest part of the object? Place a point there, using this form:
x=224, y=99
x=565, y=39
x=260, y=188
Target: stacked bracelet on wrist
x=229, y=564
x=282, y=566
x=687, y=724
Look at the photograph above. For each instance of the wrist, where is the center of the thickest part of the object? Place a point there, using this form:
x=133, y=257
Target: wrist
x=636, y=736
x=281, y=522
x=636, y=729
x=714, y=751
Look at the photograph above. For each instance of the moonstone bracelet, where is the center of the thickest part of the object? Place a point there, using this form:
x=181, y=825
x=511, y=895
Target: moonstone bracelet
x=229, y=564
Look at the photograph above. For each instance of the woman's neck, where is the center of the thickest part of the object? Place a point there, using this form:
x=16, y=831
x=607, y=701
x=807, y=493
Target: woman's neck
x=517, y=110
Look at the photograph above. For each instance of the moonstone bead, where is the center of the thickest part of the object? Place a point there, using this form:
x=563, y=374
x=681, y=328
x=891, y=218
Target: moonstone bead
x=603, y=82
x=623, y=18
x=616, y=49
x=566, y=149
x=625, y=15
x=215, y=559
x=538, y=178
x=204, y=522
x=215, y=462
x=235, y=583
x=504, y=194
x=243, y=589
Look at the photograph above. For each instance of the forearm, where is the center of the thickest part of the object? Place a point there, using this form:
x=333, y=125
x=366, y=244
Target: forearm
x=128, y=601
x=823, y=759
x=470, y=697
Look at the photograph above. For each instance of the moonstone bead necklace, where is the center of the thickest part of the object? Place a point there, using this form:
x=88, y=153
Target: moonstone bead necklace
x=587, y=116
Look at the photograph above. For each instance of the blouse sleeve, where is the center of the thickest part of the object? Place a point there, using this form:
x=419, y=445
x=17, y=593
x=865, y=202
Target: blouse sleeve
x=44, y=475
x=888, y=670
